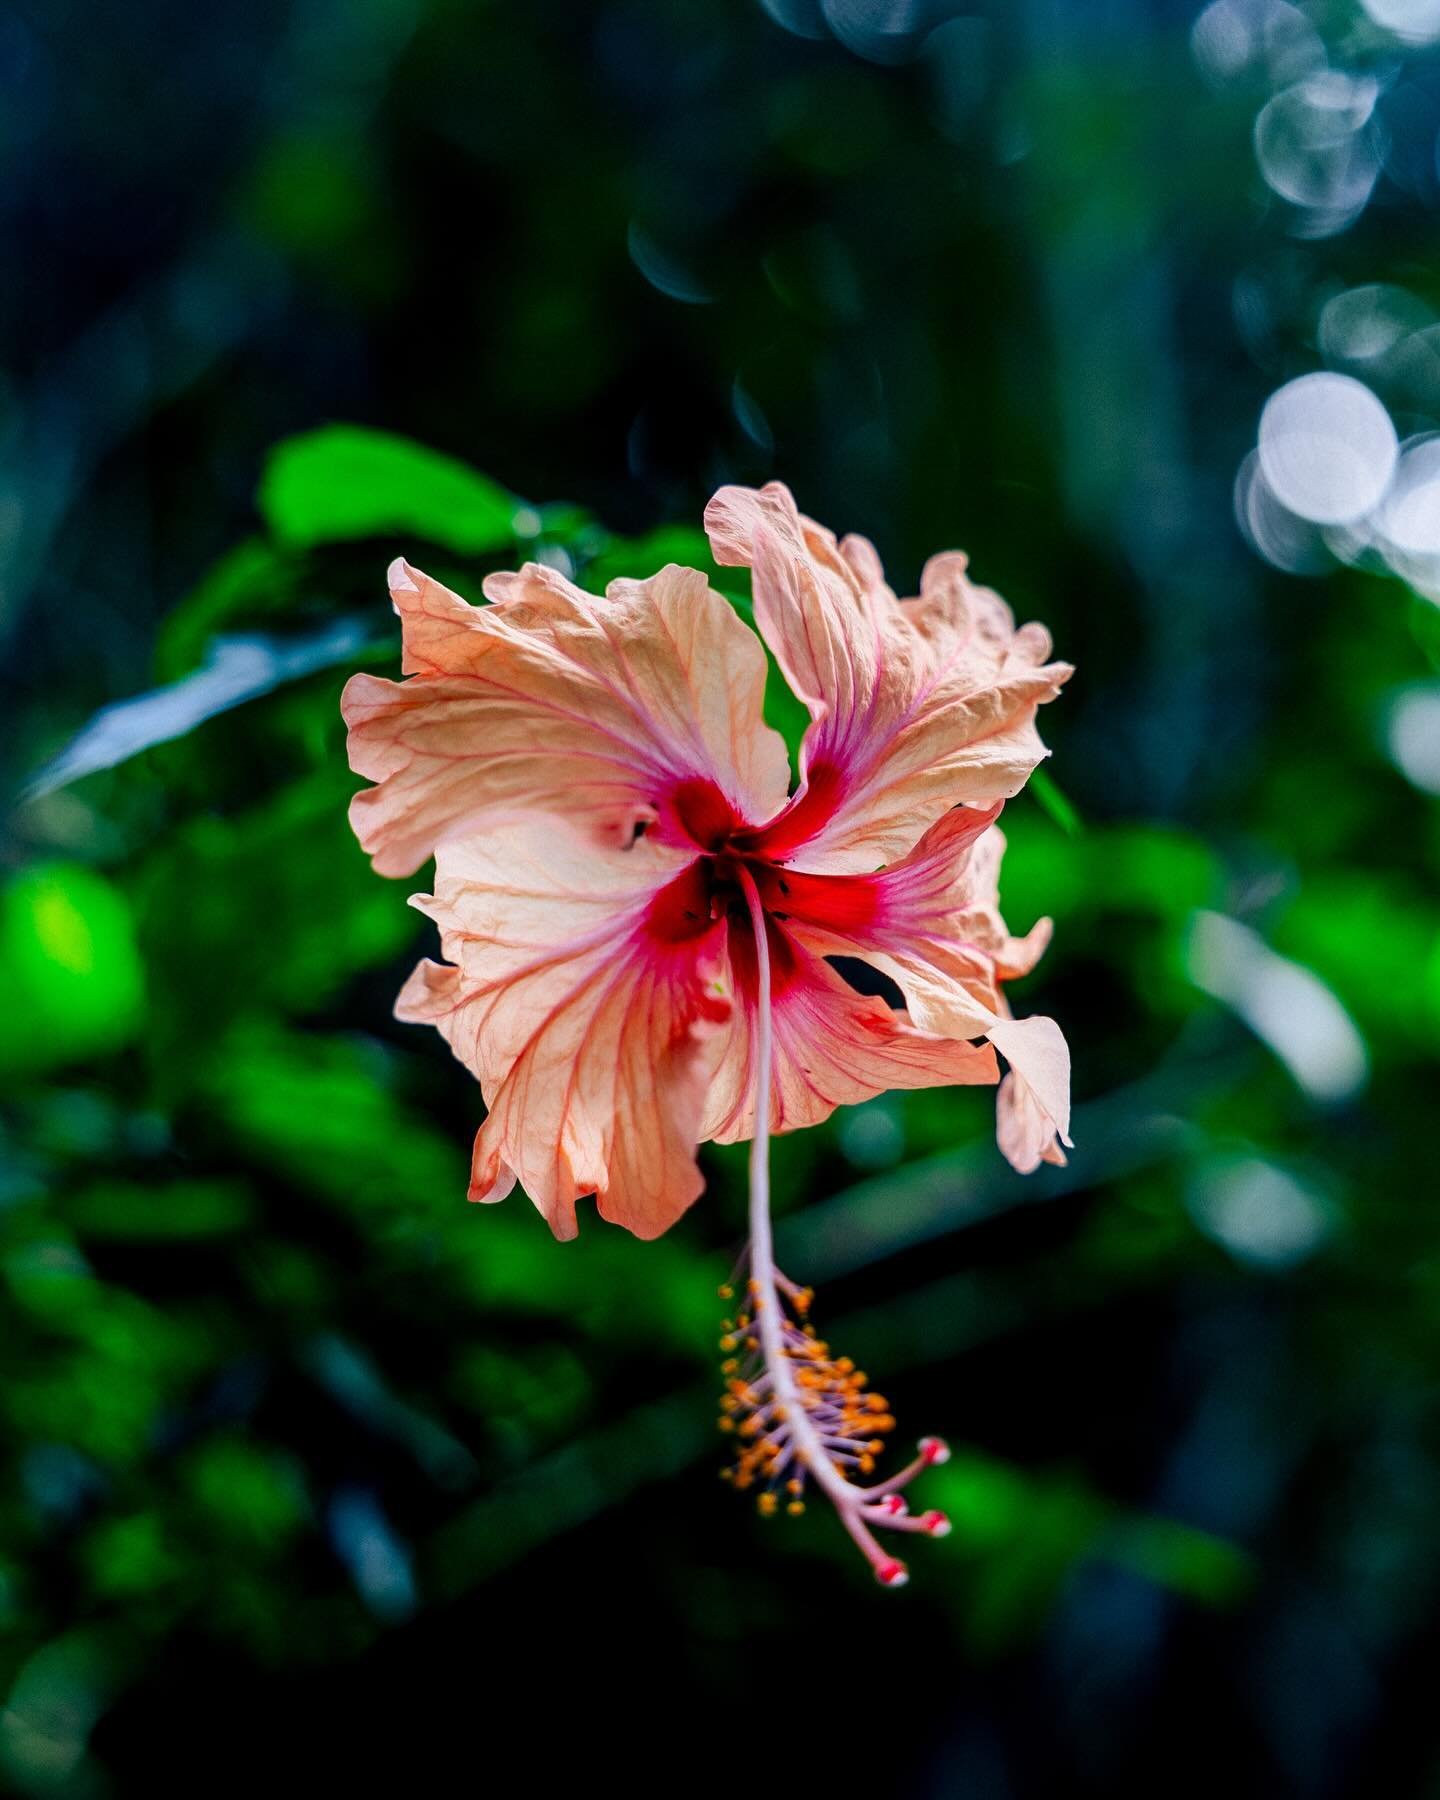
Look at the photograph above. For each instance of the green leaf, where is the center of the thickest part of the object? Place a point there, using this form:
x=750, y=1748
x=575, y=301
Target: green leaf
x=137, y=1212
x=319, y=1111
x=274, y=908
x=249, y=1494
x=128, y=1558
x=1053, y=801
x=1195, y=1563
x=985, y=1499
x=114, y=1365
x=1425, y=624
x=1156, y=871
x=561, y=522
x=347, y=481
x=640, y=557
x=248, y=584
x=71, y=981
x=1370, y=939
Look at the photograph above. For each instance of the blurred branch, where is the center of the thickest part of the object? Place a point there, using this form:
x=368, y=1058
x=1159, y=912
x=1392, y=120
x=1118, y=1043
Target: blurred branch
x=566, y=1489
x=1133, y=1128
x=236, y=669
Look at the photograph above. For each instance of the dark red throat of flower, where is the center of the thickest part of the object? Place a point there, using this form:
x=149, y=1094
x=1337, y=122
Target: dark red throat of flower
x=711, y=891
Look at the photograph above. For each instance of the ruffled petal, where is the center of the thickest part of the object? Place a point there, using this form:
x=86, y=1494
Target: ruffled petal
x=643, y=706
x=587, y=997
x=832, y=1046
x=1032, y=1109
x=916, y=705
x=1025, y=1133
x=932, y=922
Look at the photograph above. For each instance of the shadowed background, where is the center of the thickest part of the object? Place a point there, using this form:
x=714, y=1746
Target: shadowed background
x=307, y=1468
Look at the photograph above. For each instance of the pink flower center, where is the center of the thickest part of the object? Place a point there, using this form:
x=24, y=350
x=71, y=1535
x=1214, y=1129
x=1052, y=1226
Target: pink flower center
x=710, y=892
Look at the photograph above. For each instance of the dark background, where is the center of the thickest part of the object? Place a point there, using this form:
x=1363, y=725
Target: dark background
x=313, y=1473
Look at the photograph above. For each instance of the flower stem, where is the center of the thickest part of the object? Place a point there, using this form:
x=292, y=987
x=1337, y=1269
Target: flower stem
x=847, y=1500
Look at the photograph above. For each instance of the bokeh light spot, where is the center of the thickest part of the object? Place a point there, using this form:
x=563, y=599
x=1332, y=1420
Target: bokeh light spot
x=1327, y=448
x=1413, y=21
x=1412, y=736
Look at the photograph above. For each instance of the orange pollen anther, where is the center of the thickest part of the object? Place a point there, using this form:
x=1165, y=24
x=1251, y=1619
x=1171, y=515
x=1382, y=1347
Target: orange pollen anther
x=780, y=1425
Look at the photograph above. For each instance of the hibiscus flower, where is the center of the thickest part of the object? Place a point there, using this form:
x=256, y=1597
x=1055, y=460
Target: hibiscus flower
x=637, y=916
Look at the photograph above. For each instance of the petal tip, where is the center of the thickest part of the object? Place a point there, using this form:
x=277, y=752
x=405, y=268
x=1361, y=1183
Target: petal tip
x=403, y=577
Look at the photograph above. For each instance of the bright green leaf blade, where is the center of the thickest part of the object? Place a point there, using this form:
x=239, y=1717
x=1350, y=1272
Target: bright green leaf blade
x=1053, y=801
x=71, y=980
x=347, y=481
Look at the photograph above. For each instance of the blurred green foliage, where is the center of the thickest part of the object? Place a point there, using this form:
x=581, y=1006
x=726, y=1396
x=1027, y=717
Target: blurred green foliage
x=72, y=983
x=299, y=1445
x=152, y=1425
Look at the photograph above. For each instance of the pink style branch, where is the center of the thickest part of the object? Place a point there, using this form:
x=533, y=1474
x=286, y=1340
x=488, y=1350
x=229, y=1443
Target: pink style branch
x=636, y=913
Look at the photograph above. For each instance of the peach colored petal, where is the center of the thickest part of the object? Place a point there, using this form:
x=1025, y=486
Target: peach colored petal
x=1032, y=1109
x=603, y=711
x=832, y=1047
x=980, y=920
x=932, y=922
x=592, y=1032
x=946, y=942
x=916, y=705
x=1025, y=1134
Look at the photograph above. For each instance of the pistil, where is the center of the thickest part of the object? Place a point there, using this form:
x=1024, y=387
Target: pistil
x=801, y=1413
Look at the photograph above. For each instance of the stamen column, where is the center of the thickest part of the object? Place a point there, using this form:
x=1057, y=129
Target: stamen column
x=849, y=1501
